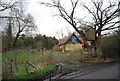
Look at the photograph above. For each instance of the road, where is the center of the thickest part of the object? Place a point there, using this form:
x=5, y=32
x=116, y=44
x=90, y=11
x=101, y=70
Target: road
x=110, y=72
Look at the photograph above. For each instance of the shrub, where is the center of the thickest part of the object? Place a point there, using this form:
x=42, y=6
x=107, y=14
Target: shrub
x=110, y=45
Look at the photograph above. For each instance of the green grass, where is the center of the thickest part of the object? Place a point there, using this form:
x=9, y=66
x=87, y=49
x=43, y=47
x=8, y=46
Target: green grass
x=68, y=63
x=23, y=55
x=0, y=58
x=36, y=74
x=20, y=58
x=70, y=51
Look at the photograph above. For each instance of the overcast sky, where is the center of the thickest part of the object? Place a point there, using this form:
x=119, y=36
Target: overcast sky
x=44, y=19
x=44, y=16
x=49, y=25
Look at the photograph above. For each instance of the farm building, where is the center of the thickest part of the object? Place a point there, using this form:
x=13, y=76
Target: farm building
x=71, y=42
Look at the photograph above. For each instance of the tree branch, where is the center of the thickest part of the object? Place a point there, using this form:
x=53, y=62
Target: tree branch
x=7, y=17
x=109, y=18
x=112, y=26
x=7, y=7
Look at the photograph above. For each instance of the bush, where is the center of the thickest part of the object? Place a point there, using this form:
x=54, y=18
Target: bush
x=110, y=46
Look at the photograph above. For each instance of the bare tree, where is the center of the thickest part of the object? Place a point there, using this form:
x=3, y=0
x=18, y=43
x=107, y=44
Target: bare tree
x=102, y=15
x=69, y=16
x=18, y=22
x=5, y=6
x=60, y=34
x=27, y=25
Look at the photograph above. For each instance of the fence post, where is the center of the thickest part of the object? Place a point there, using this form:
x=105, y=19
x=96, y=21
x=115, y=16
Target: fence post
x=12, y=67
x=51, y=57
x=26, y=64
x=4, y=68
x=42, y=55
x=50, y=54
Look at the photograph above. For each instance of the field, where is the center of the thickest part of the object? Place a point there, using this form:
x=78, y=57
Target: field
x=15, y=63
x=30, y=64
x=35, y=74
x=19, y=63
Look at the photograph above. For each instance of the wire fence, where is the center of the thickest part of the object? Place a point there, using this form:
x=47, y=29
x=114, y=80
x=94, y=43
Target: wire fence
x=14, y=64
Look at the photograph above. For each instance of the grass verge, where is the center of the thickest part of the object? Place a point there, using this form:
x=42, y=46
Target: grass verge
x=68, y=63
x=19, y=59
x=35, y=74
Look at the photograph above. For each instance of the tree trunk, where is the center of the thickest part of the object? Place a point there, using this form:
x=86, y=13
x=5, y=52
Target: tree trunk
x=14, y=42
x=97, y=42
x=9, y=34
x=83, y=37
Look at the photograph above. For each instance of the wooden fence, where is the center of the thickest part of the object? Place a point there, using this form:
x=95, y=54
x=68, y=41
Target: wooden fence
x=17, y=66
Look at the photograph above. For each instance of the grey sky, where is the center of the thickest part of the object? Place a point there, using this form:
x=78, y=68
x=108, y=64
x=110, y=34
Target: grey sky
x=46, y=23
x=49, y=25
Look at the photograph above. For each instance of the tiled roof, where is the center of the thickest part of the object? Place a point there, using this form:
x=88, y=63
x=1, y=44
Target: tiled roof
x=65, y=39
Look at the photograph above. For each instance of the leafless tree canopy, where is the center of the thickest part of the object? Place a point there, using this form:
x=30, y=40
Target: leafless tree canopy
x=15, y=19
x=103, y=15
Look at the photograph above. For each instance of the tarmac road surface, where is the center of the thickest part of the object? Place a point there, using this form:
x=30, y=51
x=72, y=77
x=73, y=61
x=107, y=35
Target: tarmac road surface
x=110, y=72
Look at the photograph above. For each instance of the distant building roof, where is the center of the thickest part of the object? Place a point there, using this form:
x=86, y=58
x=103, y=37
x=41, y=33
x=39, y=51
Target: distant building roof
x=66, y=39
x=83, y=41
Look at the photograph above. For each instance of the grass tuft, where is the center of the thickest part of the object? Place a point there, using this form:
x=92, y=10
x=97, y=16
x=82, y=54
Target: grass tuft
x=35, y=74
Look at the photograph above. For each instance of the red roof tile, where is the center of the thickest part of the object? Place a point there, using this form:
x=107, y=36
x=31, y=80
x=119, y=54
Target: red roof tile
x=65, y=39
